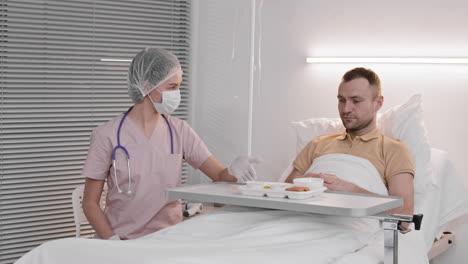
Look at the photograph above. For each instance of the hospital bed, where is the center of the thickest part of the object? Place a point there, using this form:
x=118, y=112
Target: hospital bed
x=440, y=205
x=252, y=235
x=438, y=210
x=328, y=203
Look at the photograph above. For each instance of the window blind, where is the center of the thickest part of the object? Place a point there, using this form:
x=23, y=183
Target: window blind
x=63, y=71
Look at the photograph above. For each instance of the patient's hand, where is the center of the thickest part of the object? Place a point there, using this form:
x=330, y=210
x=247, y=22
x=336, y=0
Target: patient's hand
x=333, y=183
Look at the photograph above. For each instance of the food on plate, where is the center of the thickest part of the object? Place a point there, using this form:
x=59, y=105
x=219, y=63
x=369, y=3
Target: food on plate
x=298, y=189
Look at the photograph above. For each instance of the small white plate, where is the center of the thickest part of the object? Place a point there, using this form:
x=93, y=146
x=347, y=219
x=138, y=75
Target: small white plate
x=277, y=190
x=305, y=195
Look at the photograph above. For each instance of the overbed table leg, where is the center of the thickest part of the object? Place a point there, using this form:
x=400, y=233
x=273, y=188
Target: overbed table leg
x=390, y=241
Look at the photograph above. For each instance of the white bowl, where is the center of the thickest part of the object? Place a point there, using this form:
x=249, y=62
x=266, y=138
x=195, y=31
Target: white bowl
x=312, y=183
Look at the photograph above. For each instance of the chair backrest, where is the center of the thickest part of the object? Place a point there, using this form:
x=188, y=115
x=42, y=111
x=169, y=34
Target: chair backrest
x=77, y=202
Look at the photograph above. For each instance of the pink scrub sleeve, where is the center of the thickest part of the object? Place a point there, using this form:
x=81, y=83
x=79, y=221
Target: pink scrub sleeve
x=195, y=151
x=99, y=158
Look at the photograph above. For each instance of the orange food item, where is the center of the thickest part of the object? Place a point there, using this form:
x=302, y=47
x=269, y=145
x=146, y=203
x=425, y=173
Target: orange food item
x=298, y=189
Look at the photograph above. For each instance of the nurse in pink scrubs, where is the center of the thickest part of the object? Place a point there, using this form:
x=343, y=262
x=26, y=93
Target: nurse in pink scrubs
x=156, y=144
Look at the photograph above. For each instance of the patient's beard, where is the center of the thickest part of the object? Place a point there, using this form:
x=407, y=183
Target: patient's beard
x=358, y=126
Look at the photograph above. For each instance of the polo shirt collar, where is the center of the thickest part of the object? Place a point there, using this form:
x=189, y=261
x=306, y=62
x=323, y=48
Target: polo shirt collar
x=343, y=135
x=371, y=135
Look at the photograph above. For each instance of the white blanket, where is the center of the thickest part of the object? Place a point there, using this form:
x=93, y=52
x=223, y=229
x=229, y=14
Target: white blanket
x=352, y=169
x=236, y=235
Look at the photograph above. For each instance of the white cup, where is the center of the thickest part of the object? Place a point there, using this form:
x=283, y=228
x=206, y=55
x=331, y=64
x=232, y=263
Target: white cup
x=312, y=183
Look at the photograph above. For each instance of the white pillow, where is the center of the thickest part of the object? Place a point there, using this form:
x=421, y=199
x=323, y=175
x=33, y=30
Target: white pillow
x=404, y=122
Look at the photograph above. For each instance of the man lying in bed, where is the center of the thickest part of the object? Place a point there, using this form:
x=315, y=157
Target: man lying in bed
x=359, y=99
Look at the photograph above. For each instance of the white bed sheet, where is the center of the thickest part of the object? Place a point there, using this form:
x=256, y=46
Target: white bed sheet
x=239, y=235
x=228, y=235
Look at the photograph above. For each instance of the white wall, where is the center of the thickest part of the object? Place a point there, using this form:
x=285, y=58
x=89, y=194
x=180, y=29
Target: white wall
x=287, y=89
x=295, y=90
x=221, y=77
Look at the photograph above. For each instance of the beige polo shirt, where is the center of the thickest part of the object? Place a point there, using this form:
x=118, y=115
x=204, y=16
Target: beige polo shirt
x=389, y=156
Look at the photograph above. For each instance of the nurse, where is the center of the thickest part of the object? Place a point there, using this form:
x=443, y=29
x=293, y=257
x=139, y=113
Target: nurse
x=154, y=143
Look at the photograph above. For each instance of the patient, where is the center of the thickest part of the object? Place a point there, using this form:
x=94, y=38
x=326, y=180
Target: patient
x=359, y=99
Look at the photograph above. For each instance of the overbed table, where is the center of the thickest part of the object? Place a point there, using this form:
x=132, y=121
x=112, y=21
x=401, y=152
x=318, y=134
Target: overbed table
x=328, y=203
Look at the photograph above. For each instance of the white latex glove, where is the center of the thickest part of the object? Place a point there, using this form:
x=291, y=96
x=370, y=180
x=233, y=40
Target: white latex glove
x=242, y=168
x=114, y=237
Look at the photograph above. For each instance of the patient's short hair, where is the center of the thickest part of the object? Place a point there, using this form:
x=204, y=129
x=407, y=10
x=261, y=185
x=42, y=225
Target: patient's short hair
x=367, y=74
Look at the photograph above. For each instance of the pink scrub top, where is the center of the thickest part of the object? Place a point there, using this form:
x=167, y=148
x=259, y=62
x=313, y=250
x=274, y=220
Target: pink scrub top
x=153, y=169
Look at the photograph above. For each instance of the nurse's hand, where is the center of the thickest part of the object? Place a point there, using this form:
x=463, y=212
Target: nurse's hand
x=242, y=168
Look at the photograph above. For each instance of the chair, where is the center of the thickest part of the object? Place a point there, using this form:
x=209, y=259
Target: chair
x=77, y=202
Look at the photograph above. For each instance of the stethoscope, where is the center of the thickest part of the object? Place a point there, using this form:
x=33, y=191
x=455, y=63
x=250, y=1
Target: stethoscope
x=119, y=146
